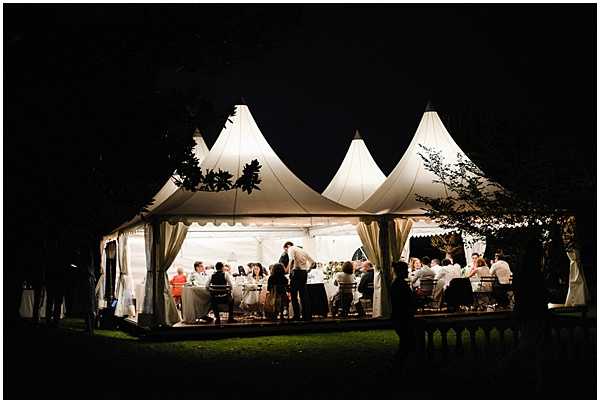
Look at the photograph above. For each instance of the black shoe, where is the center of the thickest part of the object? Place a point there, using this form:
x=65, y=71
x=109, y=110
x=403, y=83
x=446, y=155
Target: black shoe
x=295, y=319
x=231, y=320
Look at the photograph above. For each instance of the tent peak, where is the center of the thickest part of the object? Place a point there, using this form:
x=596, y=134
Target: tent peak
x=242, y=101
x=357, y=136
x=197, y=133
x=430, y=107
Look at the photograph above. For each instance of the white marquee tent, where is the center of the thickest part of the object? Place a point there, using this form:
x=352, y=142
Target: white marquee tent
x=284, y=207
x=357, y=178
x=396, y=200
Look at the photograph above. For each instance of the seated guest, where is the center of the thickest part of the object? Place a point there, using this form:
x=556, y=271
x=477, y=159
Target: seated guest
x=443, y=277
x=474, y=257
x=177, y=283
x=414, y=264
x=435, y=265
x=249, y=268
x=501, y=269
x=344, y=295
x=263, y=270
x=250, y=296
x=199, y=277
x=365, y=287
x=481, y=271
x=424, y=273
x=241, y=271
x=277, y=285
x=221, y=278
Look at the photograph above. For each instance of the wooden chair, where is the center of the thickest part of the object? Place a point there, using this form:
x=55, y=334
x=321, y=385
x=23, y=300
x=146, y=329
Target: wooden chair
x=367, y=302
x=345, y=297
x=218, y=292
x=484, y=296
x=424, y=293
x=257, y=288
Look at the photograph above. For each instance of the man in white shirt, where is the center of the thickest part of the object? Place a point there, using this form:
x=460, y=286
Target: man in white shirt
x=445, y=273
x=501, y=269
x=435, y=266
x=299, y=264
x=199, y=277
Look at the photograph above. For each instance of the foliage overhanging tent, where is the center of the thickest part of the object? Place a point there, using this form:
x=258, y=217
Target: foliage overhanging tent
x=396, y=203
x=124, y=288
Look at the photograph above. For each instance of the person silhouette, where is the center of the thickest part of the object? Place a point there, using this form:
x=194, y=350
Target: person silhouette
x=403, y=311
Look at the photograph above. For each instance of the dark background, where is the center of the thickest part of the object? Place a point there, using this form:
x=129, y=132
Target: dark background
x=88, y=90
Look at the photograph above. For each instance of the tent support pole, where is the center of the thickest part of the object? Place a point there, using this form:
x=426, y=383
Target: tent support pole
x=155, y=241
x=385, y=264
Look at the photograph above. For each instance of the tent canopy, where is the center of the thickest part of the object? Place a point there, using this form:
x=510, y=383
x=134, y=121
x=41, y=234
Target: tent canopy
x=281, y=194
x=357, y=178
x=410, y=177
x=200, y=151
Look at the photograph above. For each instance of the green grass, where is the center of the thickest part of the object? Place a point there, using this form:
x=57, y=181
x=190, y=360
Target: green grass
x=354, y=364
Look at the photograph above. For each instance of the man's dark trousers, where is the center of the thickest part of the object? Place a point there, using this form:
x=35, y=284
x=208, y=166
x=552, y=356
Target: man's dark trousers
x=298, y=287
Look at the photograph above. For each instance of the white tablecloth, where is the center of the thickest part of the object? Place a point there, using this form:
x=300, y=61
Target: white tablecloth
x=26, y=309
x=195, y=303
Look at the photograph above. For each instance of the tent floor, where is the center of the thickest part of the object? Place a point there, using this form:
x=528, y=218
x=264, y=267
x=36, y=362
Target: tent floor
x=254, y=327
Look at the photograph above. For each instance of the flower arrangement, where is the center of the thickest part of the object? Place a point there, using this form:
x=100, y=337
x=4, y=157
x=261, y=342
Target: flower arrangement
x=331, y=268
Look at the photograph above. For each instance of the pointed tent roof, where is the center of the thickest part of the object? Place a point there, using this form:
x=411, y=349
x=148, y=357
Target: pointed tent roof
x=357, y=178
x=410, y=177
x=200, y=150
x=281, y=192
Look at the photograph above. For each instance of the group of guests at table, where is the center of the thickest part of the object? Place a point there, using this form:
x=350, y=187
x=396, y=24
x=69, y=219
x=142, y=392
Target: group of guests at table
x=286, y=281
x=444, y=272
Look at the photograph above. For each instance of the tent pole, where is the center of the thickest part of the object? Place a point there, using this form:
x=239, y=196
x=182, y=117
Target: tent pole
x=385, y=264
x=155, y=241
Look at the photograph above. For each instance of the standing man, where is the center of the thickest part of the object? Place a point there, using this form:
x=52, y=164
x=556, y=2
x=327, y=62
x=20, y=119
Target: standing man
x=403, y=311
x=284, y=259
x=299, y=264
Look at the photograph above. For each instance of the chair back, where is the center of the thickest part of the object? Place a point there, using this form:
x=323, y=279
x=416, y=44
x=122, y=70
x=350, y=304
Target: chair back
x=251, y=287
x=487, y=282
x=347, y=288
x=426, y=286
x=219, y=290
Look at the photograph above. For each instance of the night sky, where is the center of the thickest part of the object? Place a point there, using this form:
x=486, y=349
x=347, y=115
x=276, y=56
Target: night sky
x=311, y=75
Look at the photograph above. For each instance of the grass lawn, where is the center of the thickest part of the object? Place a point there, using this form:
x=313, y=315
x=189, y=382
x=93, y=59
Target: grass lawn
x=65, y=363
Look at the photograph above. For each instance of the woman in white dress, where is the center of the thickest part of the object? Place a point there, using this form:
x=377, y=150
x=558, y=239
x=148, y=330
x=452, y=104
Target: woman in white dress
x=251, y=296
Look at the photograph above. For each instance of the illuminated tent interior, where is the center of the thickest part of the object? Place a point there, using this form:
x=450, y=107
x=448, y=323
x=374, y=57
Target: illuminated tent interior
x=232, y=226
x=235, y=227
